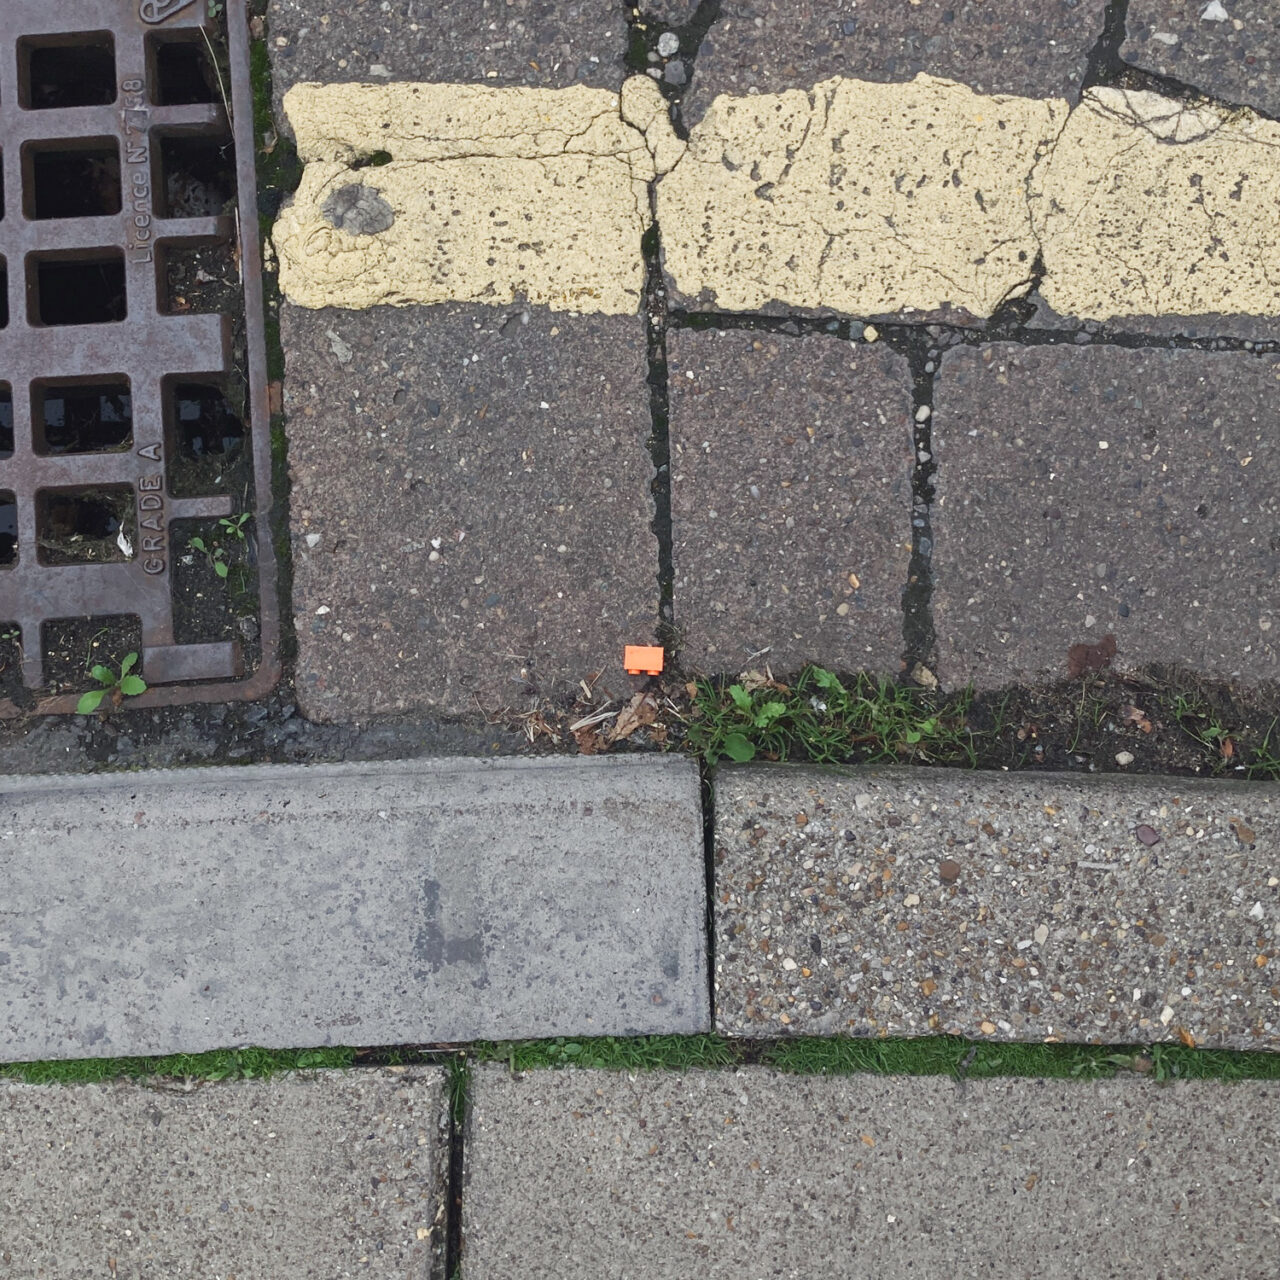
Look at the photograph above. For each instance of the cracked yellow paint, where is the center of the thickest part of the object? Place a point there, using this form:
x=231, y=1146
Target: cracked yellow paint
x=859, y=197
x=1149, y=206
x=493, y=194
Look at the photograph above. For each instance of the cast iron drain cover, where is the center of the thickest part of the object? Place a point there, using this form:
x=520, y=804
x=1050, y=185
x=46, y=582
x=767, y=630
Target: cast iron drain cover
x=133, y=403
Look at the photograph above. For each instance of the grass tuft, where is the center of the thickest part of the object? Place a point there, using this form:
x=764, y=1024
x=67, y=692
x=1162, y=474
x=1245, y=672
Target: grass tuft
x=977, y=1060
x=611, y=1053
x=218, y=1064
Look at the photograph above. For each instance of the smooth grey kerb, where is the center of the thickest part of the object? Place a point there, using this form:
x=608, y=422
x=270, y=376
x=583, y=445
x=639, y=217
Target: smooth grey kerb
x=1010, y=907
x=397, y=903
x=309, y=1175
x=753, y=1174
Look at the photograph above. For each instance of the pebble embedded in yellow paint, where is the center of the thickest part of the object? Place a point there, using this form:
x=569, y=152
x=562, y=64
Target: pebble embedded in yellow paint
x=489, y=194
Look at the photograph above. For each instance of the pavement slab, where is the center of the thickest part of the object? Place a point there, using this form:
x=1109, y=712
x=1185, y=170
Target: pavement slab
x=1091, y=491
x=1033, y=48
x=790, y=500
x=310, y=1175
x=471, y=506
x=1001, y=906
x=549, y=43
x=753, y=1174
x=406, y=902
x=1230, y=51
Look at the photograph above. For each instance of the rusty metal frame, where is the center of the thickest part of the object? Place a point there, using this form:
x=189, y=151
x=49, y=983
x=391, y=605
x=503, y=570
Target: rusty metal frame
x=146, y=347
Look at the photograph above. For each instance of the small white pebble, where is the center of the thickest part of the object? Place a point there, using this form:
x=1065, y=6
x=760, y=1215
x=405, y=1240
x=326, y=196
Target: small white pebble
x=1124, y=757
x=870, y=334
x=1166, y=1015
x=911, y=900
x=313, y=539
x=922, y=413
x=788, y=964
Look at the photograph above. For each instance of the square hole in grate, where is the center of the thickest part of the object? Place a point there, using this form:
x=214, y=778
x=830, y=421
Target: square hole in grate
x=181, y=70
x=4, y=294
x=67, y=71
x=76, y=70
x=197, y=176
x=6, y=420
x=88, y=415
x=83, y=525
x=78, y=179
x=76, y=288
x=8, y=529
x=204, y=424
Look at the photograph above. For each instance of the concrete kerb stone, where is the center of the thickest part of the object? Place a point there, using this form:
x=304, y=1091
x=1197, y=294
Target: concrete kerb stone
x=309, y=1175
x=1000, y=906
x=753, y=1173
x=408, y=902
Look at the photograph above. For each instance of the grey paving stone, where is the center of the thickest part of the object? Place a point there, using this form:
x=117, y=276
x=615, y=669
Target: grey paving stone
x=308, y=1175
x=753, y=1174
x=1035, y=48
x=1237, y=60
x=1086, y=491
x=791, y=470
x=1007, y=906
x=400, y=903
x=471, y=506
x=549, y=43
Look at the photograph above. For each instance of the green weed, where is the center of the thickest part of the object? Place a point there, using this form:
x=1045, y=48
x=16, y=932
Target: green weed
x=218, y=1064
x=823, y=719
x=114, y=685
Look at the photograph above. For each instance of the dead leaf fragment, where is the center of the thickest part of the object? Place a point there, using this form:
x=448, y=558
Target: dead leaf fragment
x=640, y=711
x=1084, y=658
x=1135, y=716
x=1186, y=1037
x=590, y=743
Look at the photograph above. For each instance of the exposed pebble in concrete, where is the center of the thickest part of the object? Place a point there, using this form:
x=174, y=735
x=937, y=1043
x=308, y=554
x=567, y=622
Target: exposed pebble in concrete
x=1074, y=909
x=730, y=1175
x=489, y=194
x=1228, y=49
x=858, y=197
x=1148, y=206
x=1091, y=491
x=791, y=500
x=337, y=1173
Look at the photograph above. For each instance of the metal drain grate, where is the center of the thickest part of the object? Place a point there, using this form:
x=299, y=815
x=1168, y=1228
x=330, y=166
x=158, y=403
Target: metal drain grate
x=113, y=120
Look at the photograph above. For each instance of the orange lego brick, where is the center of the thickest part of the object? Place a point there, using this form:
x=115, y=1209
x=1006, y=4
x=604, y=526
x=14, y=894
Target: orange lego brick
x=642, y=659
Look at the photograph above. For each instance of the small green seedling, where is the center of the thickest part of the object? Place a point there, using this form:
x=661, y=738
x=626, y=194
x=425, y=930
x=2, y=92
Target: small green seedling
x=233, y=526
x=215, y=555
x=116, y=687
